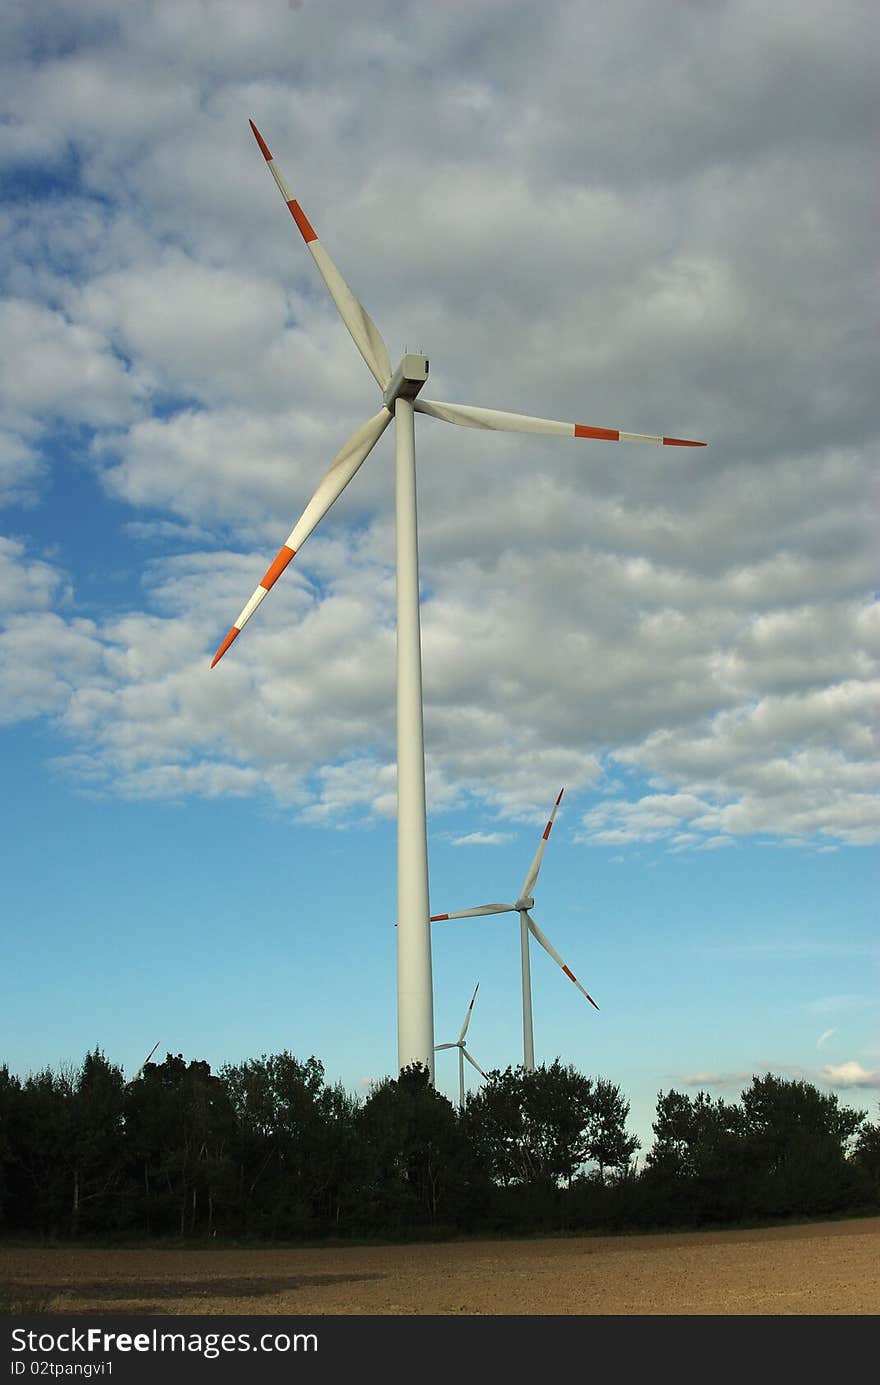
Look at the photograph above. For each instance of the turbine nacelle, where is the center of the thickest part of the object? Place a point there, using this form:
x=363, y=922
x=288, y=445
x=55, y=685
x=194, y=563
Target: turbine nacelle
x=524, y=902
x=407, y=380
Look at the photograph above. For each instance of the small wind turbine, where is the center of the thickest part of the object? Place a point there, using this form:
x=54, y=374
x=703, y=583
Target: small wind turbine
x=462, y=1051
x=524, y=903
x=415, y=1002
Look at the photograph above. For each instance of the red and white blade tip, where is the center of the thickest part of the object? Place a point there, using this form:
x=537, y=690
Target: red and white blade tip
x=267, y=581
x=233, y=635
x=261, y=142
x=583, y=430
x=571, y=976
x=555, y=806
x=307, y=230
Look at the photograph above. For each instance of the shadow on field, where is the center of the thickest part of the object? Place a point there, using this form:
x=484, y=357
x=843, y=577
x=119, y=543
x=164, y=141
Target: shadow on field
x=147, y=1295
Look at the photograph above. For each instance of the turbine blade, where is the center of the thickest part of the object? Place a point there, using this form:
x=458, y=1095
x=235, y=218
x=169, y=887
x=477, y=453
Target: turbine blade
x=472, y=913
x=529, y=882
x=548, y=947
x=437, y=1047
x=366, y=335
x=470, y=417
x=474, y=1064
x=335, y=479
x=146, y=1060
x=467, y=1018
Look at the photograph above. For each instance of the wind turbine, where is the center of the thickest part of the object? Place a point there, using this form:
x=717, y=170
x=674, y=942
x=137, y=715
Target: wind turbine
x=527, y=925
x=462, y=1051
x=400, y=388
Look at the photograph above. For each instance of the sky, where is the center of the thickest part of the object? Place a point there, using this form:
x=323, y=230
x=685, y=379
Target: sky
x=659, y=219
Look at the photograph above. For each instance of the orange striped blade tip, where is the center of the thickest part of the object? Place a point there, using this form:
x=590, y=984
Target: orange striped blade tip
x=261, y=142
x=233, y=634
x=583, y=430
x=275, y=569
x=435, y=918
x=306, y=229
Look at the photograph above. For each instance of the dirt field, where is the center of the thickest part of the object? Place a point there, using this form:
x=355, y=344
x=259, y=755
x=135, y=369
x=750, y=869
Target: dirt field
x=828, y=1268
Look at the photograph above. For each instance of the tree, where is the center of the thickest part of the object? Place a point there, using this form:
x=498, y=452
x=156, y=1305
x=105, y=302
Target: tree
x=293, y=1133
x=44, y=1140
x=11, y=1189
x=178, y=1125
x=866, y=1156
x=798, y=1139
x=607, y=1143
x=415, y=1165
x=695, y=1169
x=532, y=1127
x=95, y=1154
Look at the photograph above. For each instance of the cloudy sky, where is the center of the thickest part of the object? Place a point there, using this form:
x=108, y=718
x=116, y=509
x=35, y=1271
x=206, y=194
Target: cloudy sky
x=658, y=218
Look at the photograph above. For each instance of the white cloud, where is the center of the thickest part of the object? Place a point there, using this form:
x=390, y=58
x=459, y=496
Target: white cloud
x=850, y=1074
x=55, y=367
x=836, y=1075
x=27, y=583
x=482, y=839
x=21, y=470
x=633, y=239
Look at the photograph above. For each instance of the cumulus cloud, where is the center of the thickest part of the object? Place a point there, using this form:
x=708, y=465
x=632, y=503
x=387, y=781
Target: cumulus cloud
x=851, y=1074
x=629, y=238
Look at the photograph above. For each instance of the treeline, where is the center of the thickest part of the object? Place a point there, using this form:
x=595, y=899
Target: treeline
x=266, y=1149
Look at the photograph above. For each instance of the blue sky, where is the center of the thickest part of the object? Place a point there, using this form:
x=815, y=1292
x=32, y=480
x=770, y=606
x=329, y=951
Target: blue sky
x=582, y=216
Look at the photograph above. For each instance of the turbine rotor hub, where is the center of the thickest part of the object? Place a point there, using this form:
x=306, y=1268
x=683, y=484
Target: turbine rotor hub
x=407, y=380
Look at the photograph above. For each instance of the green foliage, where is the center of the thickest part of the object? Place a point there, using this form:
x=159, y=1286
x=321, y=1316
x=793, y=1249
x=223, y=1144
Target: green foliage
x=95, y=1155
x=695, y=1168
x=782, y=1152
x=608, y=1145
x=178, y=1126
x=866, y=1158
x=414, y=1164
x=267, y=1149
x=293, y=1138
x=798, y=1139
x=11, y=1145
x=541, y=1127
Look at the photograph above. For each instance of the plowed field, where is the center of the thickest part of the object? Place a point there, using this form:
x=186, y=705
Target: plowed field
x=825, y=1268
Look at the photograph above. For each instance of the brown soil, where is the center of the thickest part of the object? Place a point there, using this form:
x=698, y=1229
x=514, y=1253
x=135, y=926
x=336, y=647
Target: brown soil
x=824, y=1268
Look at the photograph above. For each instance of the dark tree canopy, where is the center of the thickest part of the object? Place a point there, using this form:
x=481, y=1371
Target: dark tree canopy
x=267, y=1149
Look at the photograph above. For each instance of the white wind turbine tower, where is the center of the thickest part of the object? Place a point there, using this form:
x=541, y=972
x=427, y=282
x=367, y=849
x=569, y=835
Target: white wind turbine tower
x=462, y=1051
x=527, y=925
x=415, y=1013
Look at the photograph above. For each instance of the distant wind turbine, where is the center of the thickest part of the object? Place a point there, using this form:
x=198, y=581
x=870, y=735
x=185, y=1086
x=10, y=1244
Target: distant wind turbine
x=146, y=1060
x=462, y=1051
x=415, y=1003
x=524, y=903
